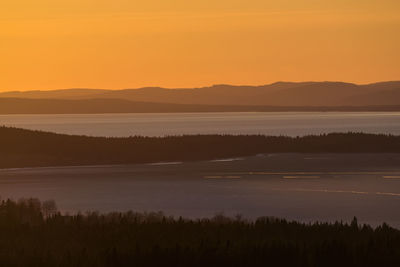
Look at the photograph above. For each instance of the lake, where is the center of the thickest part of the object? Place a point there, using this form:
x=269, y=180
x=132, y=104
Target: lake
x=154, y=124
x=303, y=187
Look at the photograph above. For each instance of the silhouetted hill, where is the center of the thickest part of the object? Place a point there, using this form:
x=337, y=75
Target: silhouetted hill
x=387, y=97
x=25, y=148
x=99, y=105
x=276, y=94
x=57, y=94
x=87, y=106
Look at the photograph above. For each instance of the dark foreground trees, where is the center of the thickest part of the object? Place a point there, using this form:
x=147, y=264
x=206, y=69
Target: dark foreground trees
x=28, y=238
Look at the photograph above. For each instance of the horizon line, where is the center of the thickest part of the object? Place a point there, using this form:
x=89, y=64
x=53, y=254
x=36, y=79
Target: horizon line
x=194, y=87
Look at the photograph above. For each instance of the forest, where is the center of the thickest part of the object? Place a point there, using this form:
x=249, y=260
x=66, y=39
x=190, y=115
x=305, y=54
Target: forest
x=26, y=148
x=34, y=233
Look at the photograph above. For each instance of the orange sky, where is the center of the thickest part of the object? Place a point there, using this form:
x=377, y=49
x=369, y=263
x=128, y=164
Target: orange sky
x=47, y=44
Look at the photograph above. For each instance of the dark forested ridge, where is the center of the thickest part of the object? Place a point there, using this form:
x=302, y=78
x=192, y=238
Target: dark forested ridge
x=25, y=148
x=35, y=234
x=99, y=106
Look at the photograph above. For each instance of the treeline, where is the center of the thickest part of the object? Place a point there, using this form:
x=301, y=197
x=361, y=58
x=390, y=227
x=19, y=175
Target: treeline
x=25, y=148
x=36, y=234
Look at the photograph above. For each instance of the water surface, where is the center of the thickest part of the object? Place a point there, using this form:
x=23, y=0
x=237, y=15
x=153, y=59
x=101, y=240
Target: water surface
x=155, y=124
x=303, y=187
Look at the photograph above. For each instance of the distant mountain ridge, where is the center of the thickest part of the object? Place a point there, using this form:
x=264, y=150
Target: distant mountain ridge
x=276, y=94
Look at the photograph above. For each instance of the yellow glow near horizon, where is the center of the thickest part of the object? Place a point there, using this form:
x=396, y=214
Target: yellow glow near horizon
x=47, y=44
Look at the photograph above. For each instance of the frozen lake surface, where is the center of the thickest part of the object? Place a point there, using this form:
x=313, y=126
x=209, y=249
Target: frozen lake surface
x=304, y=187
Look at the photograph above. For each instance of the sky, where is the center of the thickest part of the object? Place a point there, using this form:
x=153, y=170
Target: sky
x=114, y=44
